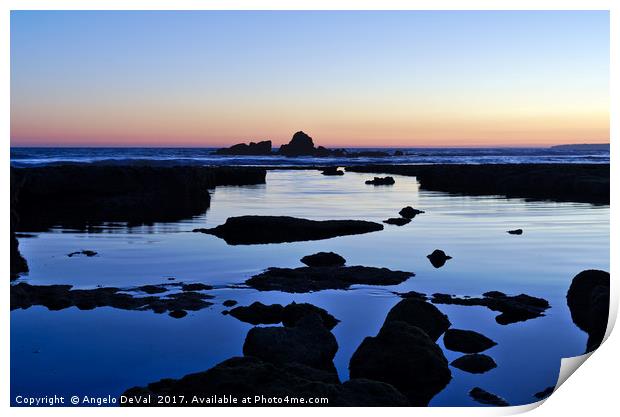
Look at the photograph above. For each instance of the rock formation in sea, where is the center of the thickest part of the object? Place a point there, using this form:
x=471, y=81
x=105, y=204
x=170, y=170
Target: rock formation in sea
x=253, y=148
x=438, y=258
x=466, y=341
x=474, y=363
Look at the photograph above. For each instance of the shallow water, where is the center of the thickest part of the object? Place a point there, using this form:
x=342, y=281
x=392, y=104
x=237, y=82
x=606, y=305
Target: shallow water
x=106, y=351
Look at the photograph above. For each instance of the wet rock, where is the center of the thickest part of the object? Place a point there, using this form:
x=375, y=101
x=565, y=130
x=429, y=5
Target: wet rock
x=381, y=181
x=466, y=341
x=149, y=289
x=178, y=314
x=294, y=312
x=306, y=279
x=229, y=303
x=196, y=287
x=308, y=343
x=258, y=313
x=398, y=221
x=485, y=397
x=420, y=314
x=409, y=212
x=300, y=145
x=248, y=230
x=405, y=357
x=438, y=258
x=332, y=171
x=516, y=232
x=323, y=259
x=588, y=301
x=412, y=294
x=253, y=148
x=474, y=363
x=541, y=395
x=513, y=309
x=86, y=252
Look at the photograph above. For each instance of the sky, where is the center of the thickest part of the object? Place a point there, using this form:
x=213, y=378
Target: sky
x=347, y=78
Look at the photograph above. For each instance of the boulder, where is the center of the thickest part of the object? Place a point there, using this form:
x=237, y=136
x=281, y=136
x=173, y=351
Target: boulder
x=258, y=313
x=289, y=316
x=485, y=397
x=300, y=145
x=588, y=301
x=88, y=253
x=409, y=212
x=253, y=148
x=178, y=314
x=405, y=357
x=332, y=171
x=229, y=303
x=474, y=363
x=541, y=395
x=515, y=232
x=438, y=258
x=397, y=221
x=420, y=314
x=248, y=230
x=381, y=181
x=294, y=313
x=466, y=341
x=323, y=259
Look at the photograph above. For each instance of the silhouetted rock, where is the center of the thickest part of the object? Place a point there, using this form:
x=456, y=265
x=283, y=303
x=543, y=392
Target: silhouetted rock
x=294, y=312
x=248, y=230
x=516, y=232
x=150, y=289
x=541, y=395
x=229, y=303
x=420, y=314
x=258, y=313
x=178, y=314
x=88, y=253
x=398, y=153
x=438, y=258
x=323, y=259
x=306, y=279
x=381, y=181
x=308, y=343
x=474, y=363
x=412, y=294
x=332, y=171
x=588, y=301
x=515, y=308
x=405, y=357
x=253, y=148
x=196, y=287
x=466, y=341
x=587, y=183
x=300, y=145
x=397, y=221
x=485, y=397
x=409, y=212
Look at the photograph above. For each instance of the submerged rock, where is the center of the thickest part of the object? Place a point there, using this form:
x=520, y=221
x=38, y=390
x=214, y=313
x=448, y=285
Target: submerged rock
x=229, y=303
x=438, y=258
x=485, y=397
x=381, y=181
x=323, y=259
x=513, y=309
x=588, y=301
x=420, y=314
x=178, y=314
x=332, y=171
x=466, y=341
x=196, y=287
x=258, y=313
x=306, y=279
x=248, y=230
x=515, y=232
x=398, y=221
x=405, y=357
x=88, y=253
x=409, y=212
x=474, y=363
x=253, y=148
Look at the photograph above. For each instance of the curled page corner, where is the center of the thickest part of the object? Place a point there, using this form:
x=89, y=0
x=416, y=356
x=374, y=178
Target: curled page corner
x=568, y=366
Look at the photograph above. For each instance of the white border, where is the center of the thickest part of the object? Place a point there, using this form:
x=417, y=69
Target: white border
x=592, y=391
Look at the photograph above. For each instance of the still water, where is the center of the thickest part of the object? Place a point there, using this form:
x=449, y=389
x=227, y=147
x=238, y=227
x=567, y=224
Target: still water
x=105, y=351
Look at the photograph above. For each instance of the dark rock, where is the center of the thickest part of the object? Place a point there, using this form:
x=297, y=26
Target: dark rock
x=485, y=397
x=544, y=393
x=398, y=221
x=516, y=232
x=516, y=308
x=254, y=148
x=381, y=181
x=398, y=153
x=474, y=363
x=229, y=303
x=150, y=289
x=438, y=258
x=88, y=253
x=248, y=230
x=306, y=279
x=178, y=314
x=466, y=341
x=332, y=171
x=308, y=343
x=587, y=183
x=588, y=301
x=196, y=287
x=293, y=313
x=300, y=145
x=405, y=357
x=323, y=259
x=18, y=263
x=258, y=313
x=420, y=314
x=412, y=294
x=409, y=212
